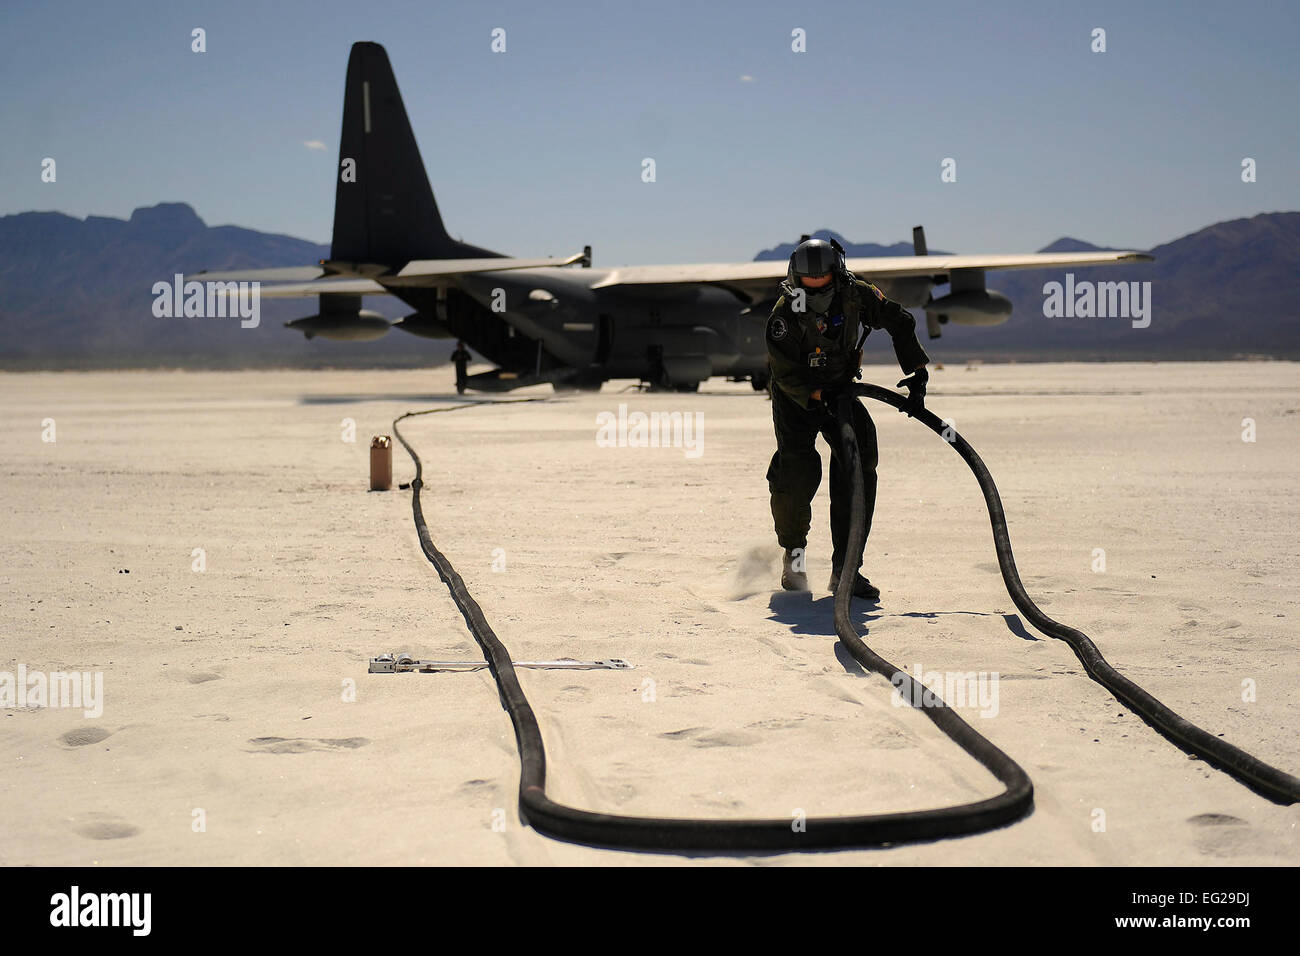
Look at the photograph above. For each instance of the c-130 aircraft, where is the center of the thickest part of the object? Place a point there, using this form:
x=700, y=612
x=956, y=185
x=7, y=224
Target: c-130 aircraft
x=559, y=320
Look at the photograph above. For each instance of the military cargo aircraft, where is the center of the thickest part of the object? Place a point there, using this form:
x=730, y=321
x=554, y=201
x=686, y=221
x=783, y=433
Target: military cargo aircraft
x=559, y=320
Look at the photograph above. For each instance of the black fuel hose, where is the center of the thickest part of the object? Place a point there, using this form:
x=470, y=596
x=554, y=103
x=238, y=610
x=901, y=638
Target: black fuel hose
x=1268, y=781
x=680, y=834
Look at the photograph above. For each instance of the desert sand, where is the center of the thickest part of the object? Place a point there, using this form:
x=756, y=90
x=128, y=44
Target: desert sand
x=239, y=724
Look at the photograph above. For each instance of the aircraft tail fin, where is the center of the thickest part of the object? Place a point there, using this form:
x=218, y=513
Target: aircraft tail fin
x=384, y=210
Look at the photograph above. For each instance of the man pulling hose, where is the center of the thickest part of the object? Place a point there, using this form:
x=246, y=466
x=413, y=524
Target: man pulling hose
x=814, y=352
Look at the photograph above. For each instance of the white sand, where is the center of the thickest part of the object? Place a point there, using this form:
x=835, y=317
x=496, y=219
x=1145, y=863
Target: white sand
x=646, y=554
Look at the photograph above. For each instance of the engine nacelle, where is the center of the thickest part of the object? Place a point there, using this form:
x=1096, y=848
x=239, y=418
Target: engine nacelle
x=359, y=326
x=427, y=327
x=685, y=369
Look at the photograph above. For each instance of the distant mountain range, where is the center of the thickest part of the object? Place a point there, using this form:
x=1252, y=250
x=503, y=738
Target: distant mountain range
x=77, y=293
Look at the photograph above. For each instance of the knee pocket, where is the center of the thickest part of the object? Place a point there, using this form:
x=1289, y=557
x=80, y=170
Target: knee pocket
x=794, y=473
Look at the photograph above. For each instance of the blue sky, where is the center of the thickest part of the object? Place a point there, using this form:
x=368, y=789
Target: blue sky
x=538, y=151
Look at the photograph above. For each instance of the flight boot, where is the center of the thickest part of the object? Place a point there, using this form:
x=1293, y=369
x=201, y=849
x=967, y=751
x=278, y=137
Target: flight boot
x=861, y=586
x=793, y=577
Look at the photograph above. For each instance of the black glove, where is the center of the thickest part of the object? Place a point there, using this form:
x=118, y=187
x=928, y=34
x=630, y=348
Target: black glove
x=830, y=397
x=915, y=384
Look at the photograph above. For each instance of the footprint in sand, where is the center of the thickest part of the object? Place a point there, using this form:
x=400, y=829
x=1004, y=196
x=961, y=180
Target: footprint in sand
x=302, y=745
x=776, y=647
x=726, y=738
x=702, y=737
x=620, y=793
x=201, y=677
x=85, y=735
x=1216, y=820
x=682, y=660
x=681, y=734
x=479, y=792
x=1024, y=677
x=777, y=723
x=103, y=826
x=1223, y=835
x=573, y=694
x=886, y=737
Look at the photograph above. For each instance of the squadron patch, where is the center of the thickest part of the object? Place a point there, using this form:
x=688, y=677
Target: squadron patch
x=879, y=295
x=776, y=329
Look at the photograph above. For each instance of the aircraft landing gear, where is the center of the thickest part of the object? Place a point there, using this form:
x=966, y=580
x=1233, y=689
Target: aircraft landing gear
x=577, y=385
x=461, y=357
x=664, y=385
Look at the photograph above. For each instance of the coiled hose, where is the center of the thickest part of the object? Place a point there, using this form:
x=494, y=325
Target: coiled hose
x=667, y=834
x=680, y=834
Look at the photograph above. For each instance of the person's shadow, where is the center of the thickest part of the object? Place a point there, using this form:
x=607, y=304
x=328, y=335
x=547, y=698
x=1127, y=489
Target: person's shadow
x=815, y=617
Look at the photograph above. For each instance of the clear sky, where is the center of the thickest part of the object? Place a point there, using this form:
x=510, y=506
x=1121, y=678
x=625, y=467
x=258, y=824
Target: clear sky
x=538, y=150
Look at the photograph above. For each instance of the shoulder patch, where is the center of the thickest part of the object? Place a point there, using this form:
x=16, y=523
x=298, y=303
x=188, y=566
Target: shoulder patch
x=776, y=328
x=878, y=294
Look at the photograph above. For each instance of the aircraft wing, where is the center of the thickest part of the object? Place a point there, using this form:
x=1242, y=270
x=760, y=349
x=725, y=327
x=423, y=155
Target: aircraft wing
x=289, y=274
x=333, y=277
x=750, y=280
x=887, y=267
x=417, y=270
x=754, y=280
x=288, y=290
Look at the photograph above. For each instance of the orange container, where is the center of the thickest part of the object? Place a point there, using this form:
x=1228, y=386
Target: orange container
x=381, y=463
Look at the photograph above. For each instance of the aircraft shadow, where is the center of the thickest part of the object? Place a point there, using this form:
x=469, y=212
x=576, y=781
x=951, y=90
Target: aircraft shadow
x=432, y=397
x=378, y=397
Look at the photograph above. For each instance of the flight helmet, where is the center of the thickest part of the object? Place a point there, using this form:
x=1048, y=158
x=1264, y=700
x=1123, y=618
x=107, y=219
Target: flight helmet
x=815, y=257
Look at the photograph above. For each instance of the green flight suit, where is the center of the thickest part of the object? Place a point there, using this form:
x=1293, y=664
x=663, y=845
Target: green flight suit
x=793, y=338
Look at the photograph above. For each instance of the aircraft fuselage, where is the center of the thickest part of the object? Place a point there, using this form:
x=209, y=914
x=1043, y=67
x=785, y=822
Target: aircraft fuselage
x=550, y=320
